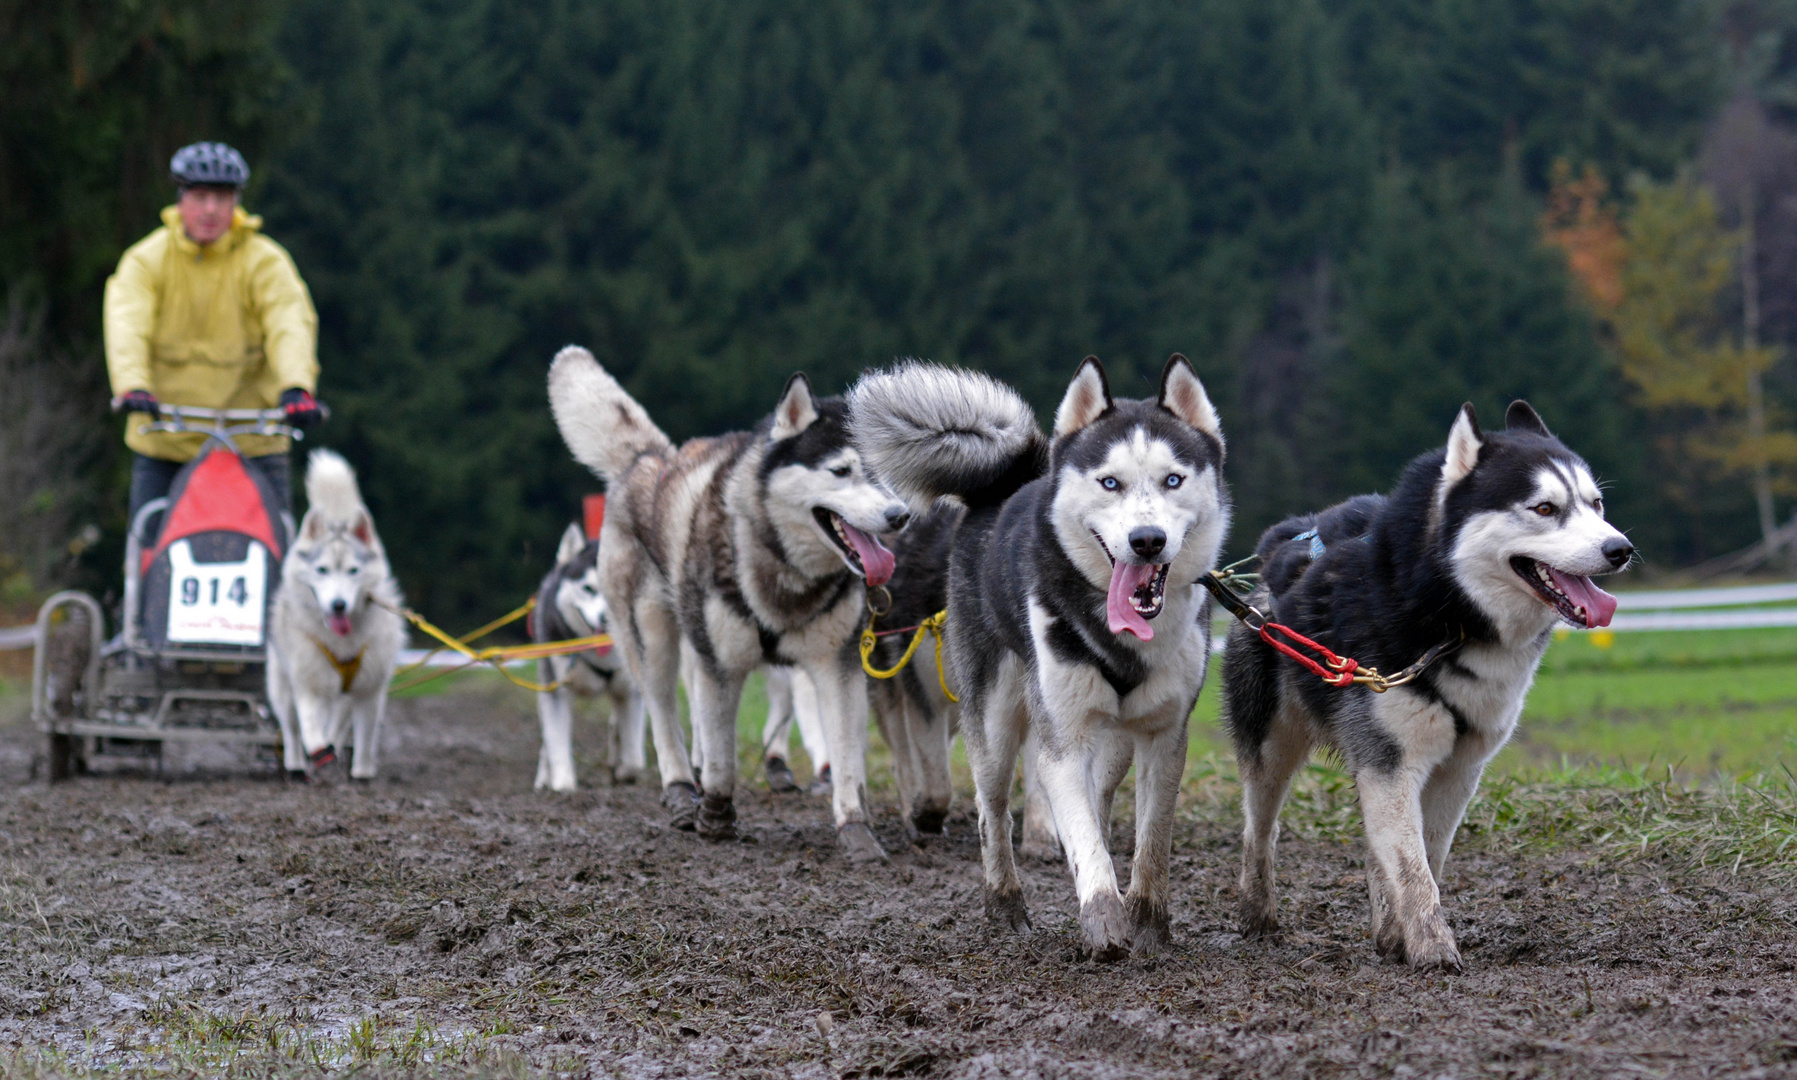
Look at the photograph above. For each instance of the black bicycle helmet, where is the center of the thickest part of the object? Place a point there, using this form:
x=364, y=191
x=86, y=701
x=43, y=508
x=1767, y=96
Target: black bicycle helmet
x=209, y=163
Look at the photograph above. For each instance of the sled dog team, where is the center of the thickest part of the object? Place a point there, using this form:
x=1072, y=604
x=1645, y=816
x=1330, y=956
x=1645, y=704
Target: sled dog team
x=1077, y=632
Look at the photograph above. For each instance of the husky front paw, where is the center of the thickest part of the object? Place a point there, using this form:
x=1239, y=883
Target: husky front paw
x=1103, y=929
x=1150, y=927
x=820, y=784
x=682, y=801
x=626, y=774
x=1430, y=946
x=717, y=817
x=1388, y=936
x=859, y=844
x=779, y=775
x=1259, y=915
x=1006, y=909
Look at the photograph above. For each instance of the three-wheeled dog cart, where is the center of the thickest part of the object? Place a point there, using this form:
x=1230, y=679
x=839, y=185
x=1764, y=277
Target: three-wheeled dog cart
x=189, y=662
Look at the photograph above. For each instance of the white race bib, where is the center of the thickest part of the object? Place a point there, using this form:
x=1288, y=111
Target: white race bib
x=216, y=603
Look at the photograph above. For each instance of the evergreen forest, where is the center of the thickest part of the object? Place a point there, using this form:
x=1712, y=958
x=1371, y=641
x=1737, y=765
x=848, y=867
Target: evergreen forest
x=1342, y=210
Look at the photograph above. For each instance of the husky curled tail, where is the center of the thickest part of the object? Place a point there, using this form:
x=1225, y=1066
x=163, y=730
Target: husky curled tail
x=604, y=427
x=931, y=432
x=331, y=488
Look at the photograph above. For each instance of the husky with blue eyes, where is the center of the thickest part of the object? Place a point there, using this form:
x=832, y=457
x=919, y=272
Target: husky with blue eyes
x=335, y=635
x=1074, y=614
x=1481, y=550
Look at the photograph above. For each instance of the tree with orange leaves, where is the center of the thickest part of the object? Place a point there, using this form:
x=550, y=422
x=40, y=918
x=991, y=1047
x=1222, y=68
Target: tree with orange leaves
x=1660, y=275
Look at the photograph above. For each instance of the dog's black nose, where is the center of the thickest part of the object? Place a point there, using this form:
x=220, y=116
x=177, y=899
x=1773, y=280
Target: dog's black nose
x=1147, y=540
x=897, y=517
x=338, y=607
x=1618, y=551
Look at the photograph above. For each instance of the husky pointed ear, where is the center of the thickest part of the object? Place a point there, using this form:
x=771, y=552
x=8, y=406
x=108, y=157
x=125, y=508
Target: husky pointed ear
x=1464, y=441
x=1088, y=398
x=312, y=527
x=1183, y=396
x=1521, y=416
x=363, y=530
x=572, y=541
x=796, y=410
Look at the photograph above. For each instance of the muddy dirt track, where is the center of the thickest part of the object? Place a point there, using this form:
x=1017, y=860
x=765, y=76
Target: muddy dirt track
x=581, y=933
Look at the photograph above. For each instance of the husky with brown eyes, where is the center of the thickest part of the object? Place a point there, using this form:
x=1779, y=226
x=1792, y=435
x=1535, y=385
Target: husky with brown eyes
x=1483, y=548
x=1074, y=617
x=728, y=554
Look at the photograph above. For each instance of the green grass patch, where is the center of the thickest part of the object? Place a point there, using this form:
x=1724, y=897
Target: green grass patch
x=1661, y=649
x=1618, y=815
x=1705, y=703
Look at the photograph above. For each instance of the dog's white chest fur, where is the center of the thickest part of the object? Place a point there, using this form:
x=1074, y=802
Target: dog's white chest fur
x=1492, y=699
x=1078, y=692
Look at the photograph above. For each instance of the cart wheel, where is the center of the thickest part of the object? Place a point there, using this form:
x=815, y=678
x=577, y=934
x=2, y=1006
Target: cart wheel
x=65, y=757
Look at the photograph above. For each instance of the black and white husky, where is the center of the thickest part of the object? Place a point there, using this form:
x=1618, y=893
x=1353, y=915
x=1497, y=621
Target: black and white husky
x=1073, y=609
x=571, y=604
x=1486, y=543
x=748, y=549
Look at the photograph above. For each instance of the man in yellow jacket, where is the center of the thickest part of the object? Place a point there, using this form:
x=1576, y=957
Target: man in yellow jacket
x=207, y=311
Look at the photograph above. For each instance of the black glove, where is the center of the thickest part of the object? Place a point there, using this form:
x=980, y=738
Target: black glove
x=138, y=401
x=301, y=407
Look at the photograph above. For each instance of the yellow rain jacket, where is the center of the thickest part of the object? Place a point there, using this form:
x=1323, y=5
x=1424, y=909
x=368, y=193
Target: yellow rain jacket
x=227, y=326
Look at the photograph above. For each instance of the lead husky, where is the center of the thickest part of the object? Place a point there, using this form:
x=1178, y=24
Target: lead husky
x=336, y=634
x=750, y=548
x=1070, y=546
x=1490, y=542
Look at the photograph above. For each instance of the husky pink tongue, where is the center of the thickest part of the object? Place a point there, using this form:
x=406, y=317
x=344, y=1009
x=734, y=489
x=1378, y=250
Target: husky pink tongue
x=876, y=561
x=340, y=625
x=1599, y=605
x=1126, y=578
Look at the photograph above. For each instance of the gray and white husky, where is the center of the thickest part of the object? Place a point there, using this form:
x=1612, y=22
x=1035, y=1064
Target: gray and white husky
x=1073, y=612
x=571, y=604
x=748, y=549
x=1483, y=547
x=335, y=636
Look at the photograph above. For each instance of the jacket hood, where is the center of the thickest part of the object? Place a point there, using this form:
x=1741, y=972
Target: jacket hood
x=243, y=226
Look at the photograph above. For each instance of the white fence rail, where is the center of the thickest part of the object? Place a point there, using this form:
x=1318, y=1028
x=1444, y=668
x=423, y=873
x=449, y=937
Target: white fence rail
x=1748, y=607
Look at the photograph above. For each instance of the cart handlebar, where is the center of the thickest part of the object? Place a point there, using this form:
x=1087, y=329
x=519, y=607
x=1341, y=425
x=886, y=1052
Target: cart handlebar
x=226, y=424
